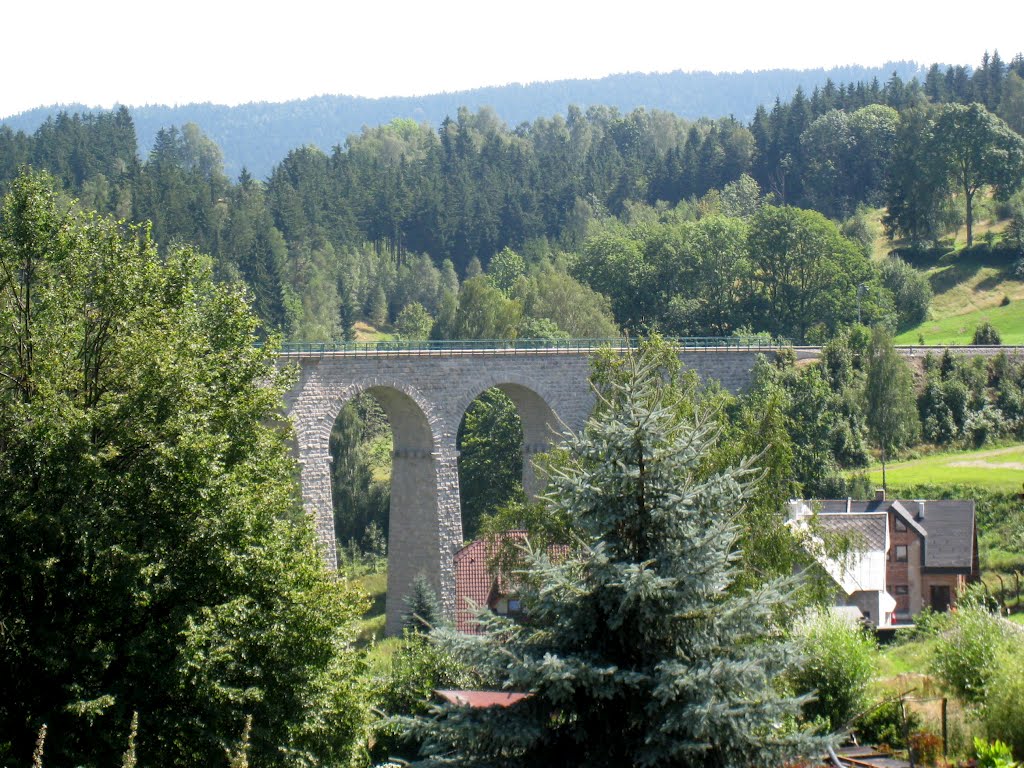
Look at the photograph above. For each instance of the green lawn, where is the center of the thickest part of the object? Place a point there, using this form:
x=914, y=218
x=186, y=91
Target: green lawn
x=959, y=329
x=996, y=469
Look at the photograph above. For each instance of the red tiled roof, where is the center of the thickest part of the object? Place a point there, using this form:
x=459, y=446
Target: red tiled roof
x=481, y=699
x=475, y=584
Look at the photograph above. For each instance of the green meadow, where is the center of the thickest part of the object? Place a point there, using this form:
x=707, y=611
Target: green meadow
x=970, y=287
x=959, y=329
x=1000, y=470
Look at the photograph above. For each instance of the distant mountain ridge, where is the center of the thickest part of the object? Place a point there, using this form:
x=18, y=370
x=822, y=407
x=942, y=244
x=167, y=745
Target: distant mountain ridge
x=257, y=136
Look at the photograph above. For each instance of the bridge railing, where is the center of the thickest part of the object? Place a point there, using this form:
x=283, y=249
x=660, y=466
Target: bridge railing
x=517, y=346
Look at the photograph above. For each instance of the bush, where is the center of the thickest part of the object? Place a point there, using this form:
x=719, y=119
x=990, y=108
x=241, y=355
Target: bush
x=911, y=291
x=1003, y=712
x=416, y=668
x=926, y=747
x=884, y=725
x=994, y=755
x=987, y=335
x=839, y=661
x=966, y=657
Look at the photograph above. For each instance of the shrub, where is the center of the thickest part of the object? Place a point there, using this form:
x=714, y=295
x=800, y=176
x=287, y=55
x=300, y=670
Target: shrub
x=1003, y=711
x=884, y=725
x=911, y=291
x=926, y=747
x=839, y=660
x=987, y=335
x=416, y=668
x=966, y=657
x=994, y=755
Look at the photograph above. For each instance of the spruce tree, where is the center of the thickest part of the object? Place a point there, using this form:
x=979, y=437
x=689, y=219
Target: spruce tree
x=422, y=609
x=639, y=648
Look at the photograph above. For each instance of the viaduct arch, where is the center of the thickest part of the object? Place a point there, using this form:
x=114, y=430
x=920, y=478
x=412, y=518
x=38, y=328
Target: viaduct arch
x=425, y=394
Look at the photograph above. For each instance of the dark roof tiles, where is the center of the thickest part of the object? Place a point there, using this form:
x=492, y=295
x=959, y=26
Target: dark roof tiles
x=865, y=531
x=949, y=525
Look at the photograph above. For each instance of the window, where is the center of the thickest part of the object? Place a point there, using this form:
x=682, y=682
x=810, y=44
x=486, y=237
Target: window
x=514, y=606
x=901, y=553
x=901, y=590
x=899, y=526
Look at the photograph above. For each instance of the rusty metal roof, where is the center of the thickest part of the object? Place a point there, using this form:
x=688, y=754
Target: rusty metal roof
x=481, y=699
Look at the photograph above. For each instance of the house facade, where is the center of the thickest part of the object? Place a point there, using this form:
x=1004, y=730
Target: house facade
x=902, y=555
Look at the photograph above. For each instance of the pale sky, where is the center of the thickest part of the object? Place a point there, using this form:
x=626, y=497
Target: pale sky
x=139, y=52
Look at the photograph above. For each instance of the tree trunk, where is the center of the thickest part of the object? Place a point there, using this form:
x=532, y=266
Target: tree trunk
x=968, y=195
x=884, y=488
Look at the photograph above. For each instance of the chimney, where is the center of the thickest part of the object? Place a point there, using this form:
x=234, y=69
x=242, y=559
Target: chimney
x=879, y=494
x=920, y=508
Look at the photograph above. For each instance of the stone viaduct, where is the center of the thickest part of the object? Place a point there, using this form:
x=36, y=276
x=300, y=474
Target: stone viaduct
x=425, y=394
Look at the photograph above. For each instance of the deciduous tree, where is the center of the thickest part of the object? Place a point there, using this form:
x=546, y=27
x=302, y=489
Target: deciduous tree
x=890, y=405
x=154, y=557
x=980, y=150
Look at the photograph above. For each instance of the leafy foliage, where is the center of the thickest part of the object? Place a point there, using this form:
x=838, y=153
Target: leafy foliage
x=993, y=755
x=910, y=290
x=987, y=335
x=490, y=458
x=405, y=687
x=155, y=557
x=884, y=724
x=966, y=657
x=889, y=397
x=839, y=662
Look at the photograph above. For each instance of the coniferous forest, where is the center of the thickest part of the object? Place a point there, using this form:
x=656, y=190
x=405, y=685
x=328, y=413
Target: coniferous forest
x=160, y=591
x=654, y=212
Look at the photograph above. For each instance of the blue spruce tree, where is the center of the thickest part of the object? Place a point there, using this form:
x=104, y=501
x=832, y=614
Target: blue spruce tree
x=639, y=648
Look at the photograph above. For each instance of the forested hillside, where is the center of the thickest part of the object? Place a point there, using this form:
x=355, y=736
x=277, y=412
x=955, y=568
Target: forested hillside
x=257, y=136
x=585, y=223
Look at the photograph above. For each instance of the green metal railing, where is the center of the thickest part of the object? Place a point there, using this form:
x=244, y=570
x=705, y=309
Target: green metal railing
x=516, y=346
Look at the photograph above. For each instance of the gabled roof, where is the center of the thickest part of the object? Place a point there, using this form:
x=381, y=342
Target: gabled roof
x=951, y=534
x=947, y=526
x=867, y=531
x=863, y=568
x=475, y=584
x=908, y=519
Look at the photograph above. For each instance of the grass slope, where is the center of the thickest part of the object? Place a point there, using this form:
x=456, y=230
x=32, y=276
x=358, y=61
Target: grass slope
x=970, y=287
x=371, y=626
x=959, y=328
x=999, y=470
